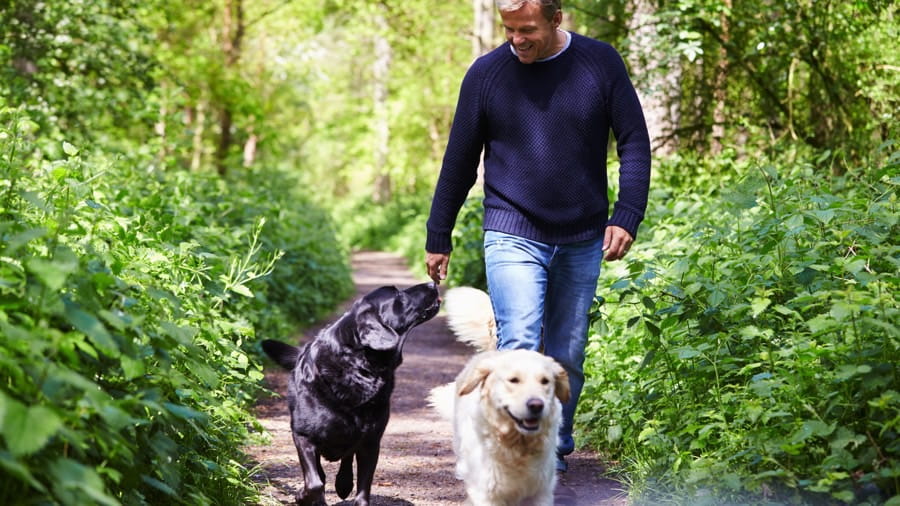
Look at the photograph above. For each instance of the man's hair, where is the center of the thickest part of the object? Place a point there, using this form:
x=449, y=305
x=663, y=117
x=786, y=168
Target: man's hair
x=548, y=7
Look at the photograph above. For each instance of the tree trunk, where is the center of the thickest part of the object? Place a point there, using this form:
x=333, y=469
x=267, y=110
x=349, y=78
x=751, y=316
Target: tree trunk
x=721, y=85
x=656, y=80
x=250, y=148
x=197, y=118
x=381, y=73
x=482, y=42
x=232, y=36
x=483, y=27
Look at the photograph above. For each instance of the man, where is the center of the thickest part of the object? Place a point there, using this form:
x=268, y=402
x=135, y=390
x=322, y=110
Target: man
x=541, y=107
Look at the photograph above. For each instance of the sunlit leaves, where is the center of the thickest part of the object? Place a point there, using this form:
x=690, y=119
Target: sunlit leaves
x=26, y=429
x=128, y=369
x=773, y=308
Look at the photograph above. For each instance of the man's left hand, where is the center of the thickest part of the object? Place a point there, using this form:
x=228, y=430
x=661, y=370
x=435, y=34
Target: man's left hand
x=616, y=242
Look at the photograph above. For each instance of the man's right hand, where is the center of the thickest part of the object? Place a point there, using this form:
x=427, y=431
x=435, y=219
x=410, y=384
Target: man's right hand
x=436, y=264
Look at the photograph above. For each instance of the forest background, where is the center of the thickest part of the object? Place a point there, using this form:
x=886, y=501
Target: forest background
x=182, y=178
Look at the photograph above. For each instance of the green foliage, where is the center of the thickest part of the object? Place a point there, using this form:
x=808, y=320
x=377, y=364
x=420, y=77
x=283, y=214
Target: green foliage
x=78, y=66
x=343, y=132
x=749, y=347
x=131, y=301
x=467, y=258
x=819, y=73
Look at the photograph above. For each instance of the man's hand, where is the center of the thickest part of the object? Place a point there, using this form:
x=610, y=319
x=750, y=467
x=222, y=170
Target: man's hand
x=436, y=264
x=616, y=242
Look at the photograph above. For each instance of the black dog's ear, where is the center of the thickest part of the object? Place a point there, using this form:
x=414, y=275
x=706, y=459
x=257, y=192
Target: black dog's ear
x=375, y=335
x=283, y=354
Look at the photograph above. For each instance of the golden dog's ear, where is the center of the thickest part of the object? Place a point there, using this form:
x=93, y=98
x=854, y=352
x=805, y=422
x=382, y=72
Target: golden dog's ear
x=562, y=388
x=474, y=374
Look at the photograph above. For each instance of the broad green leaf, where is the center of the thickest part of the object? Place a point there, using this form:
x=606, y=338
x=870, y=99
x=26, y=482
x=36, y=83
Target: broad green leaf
x=841, y=310
x=686, y=352
x=27, y=429
x=158, y=485
x=845, y=496
x=821, y=323
x=845, y=372
x=614, y=433
x=16, y=241
x=758, y=305
x=70, y=475
x=184, y=411
x=242, y=290
x=183, y=335
x=117, y=418
x=52, y=273
x=69, y=149
x=92, y=327
x=132, y=368
x=824, y=215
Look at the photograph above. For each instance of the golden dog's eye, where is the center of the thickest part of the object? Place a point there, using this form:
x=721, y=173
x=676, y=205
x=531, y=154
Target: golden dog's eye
x=514, y=379
x=545, y=381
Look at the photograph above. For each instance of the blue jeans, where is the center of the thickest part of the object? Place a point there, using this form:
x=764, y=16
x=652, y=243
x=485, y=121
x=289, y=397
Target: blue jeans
x=542, y=294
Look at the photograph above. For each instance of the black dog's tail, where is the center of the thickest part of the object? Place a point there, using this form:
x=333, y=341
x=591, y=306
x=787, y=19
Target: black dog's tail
x=283, y=354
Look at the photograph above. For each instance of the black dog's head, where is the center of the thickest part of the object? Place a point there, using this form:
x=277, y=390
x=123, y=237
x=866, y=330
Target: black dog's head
x=380, y=320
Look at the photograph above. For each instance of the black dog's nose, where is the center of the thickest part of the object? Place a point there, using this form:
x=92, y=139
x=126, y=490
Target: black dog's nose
x=535, y=406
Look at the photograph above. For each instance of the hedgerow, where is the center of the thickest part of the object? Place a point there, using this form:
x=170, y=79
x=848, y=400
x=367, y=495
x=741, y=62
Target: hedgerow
x=748, y=350
x=131, y=302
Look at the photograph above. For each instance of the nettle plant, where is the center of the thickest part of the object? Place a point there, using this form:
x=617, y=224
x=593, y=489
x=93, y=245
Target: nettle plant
x=130, y=300
x=750, y=348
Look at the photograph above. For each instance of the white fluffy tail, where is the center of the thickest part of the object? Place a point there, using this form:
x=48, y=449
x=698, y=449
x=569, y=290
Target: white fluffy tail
x=442, y=400
x=471, y=317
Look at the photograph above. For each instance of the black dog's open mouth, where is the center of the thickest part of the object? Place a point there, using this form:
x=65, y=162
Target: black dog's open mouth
x=529, y=424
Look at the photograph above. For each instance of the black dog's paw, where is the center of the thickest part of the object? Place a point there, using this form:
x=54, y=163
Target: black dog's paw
x=343, y=484
x=314, y=499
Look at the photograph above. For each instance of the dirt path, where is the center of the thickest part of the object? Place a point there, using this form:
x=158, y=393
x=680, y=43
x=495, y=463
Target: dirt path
x=416, y=463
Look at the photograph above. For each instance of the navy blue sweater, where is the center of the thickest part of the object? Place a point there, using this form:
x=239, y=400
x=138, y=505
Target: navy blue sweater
x=544, y=128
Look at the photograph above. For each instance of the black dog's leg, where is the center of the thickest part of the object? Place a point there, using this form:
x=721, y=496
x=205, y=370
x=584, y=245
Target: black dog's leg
x=321, y=471
x=366, y=460
x=313, y=491
x=344, y=481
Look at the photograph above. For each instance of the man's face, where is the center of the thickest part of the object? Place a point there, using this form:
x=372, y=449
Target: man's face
x=529, y=32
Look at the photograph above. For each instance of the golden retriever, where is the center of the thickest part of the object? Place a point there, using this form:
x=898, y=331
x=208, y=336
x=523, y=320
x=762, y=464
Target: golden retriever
x=506, y=411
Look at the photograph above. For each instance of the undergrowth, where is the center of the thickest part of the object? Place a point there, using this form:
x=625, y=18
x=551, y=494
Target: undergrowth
x=131, y=302
x=747, y=352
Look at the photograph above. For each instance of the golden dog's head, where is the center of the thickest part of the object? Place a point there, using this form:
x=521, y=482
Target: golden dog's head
x=519, y=389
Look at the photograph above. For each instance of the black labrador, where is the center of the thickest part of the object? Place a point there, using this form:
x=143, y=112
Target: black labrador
x=341, y=383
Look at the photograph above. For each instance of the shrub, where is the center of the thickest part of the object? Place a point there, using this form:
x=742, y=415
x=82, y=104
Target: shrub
x=130, y=303
x=751, y=342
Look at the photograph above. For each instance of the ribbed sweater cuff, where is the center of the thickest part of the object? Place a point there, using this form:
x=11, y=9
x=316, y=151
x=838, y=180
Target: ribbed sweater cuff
x=438, y=243
x=626, y=219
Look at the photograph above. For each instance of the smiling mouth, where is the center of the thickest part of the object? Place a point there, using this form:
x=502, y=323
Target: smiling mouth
x=530, y=424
